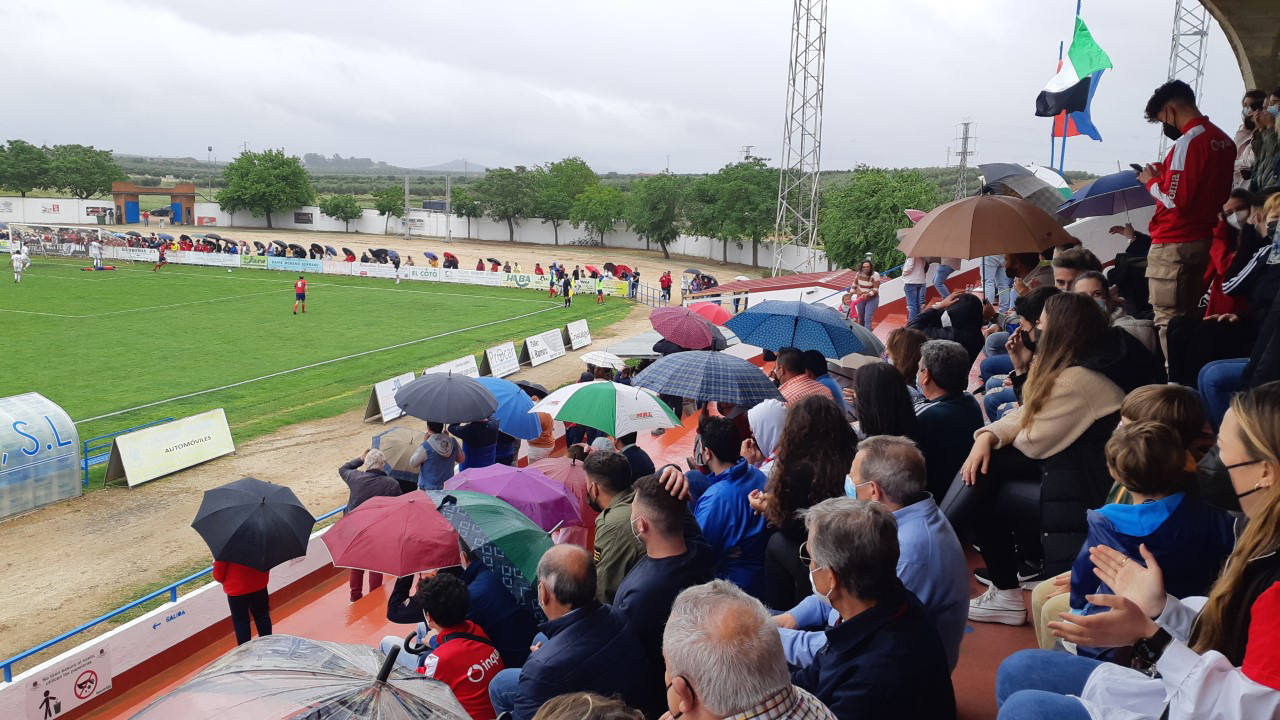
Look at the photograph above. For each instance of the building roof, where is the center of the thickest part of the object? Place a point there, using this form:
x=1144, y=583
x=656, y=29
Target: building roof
x=831, y=279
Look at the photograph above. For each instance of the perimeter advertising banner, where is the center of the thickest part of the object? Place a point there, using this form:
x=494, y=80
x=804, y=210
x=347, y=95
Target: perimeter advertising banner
x=190, y=257
x=462, y=366
x=577, y=335
x=360, y=269
x=149, y=453
x=135, y=254
x=382, y=399
x=39, y=454
x=500, y=361
x=257, y=262
x=422, y=273
x=302, y=265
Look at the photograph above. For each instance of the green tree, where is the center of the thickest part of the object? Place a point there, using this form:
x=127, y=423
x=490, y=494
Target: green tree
x=862, y=215
x=557, y=185
x=23, y=167
x=598, y=208
x=465, y=205
x=82, y=171
x=738, y=203
x=653, y=209
x=341, y=207
x=507, y=194
x=265, y=182
x=389, y=201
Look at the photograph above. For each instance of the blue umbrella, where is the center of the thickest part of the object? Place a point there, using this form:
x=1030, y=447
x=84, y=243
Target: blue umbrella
x=430, y=255
x=1108, y=195
x=164, y=236
x=514, y=405
x=775, y=324
x=708, y=376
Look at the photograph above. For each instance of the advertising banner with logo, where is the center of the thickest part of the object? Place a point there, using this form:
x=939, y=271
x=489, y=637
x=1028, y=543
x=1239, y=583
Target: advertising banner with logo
x=190, y=257
x=295, y=264
x=422, y=273
x=554, y=342
x=336, y=267
x=256, y=262
x=500, y=360
x=39, y=454
x=462, y=366
x=372, y=270
x=135, y=254
x=519, y=280
x=67, y=685
x=149, y=453
x=576, y=334
x=206, y=220
x=542, y=348
x=382, y=399
x=302, y=218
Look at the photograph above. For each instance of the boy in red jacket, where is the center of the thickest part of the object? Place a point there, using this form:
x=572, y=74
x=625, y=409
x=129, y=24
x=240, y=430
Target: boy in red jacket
x=246, y=591
x=462, y=657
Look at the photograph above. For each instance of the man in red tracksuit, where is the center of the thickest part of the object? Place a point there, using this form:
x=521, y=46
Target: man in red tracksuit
x=1190, y=187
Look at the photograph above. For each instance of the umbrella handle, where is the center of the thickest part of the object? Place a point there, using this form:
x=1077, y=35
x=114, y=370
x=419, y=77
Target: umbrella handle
x=447, y=500
x=557, y=527
x=385, y=671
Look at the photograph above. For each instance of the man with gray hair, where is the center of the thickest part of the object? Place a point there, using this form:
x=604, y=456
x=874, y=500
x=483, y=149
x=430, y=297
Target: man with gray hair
x=724, y=660
x=584, y=646
x=884, y=659
x=372, y=481
x=891, y=471
x=950, y=417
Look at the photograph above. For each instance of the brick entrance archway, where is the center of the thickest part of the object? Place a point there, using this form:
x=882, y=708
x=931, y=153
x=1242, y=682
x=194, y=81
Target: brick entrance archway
x=182, y=201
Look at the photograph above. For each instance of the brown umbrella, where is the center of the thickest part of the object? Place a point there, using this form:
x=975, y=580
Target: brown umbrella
x=398, y=445
x=983, y=225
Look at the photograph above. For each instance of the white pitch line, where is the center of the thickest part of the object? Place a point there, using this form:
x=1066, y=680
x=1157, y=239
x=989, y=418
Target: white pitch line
x=33, y=312
x=312, y=365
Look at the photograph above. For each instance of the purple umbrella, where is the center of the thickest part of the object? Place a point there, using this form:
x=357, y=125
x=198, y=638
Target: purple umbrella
x=683, y=327
x=547, y=503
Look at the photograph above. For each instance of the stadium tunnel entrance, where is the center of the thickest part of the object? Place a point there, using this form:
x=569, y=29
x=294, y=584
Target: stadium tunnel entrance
x=182, y=201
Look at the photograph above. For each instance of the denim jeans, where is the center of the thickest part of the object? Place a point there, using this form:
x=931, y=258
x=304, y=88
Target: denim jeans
x=1035, y=685
x=994, y=344
x=504, y=688
x=993, y=399
x=993, y=365
x=1218, y=381
x=996, y=285
x=404, y=659
x=940, y=279
x=915, y=299
x=867, y=310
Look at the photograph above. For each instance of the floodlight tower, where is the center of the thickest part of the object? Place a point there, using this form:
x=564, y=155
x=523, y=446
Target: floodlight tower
x=797, y=219
x=1187, y=48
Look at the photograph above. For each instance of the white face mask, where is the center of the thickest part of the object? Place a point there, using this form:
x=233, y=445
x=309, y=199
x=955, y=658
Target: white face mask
x=1236, y=219
x=813, y=586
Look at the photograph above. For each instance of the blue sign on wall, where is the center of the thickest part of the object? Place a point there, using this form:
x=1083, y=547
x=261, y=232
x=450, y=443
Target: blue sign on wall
x=39, y=454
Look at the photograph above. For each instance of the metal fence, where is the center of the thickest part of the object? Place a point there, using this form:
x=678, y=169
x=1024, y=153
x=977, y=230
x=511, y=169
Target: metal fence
x=649, y=295
x=97, y=450
x=171, y=590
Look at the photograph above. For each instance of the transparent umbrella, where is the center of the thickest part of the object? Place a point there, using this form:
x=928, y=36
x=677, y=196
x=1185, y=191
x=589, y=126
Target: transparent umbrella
x=282, y=676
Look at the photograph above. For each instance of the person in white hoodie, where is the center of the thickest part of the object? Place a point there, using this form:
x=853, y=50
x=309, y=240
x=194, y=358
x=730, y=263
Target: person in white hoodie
x=766, y=419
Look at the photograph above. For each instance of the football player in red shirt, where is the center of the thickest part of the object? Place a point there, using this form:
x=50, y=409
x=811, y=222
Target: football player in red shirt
x=300, y=295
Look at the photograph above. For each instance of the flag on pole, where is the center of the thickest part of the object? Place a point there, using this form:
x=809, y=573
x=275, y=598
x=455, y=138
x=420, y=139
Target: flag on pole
x=1070, y=89
x=1080, y=122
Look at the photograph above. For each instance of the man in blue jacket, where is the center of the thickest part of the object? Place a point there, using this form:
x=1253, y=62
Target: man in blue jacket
x=737, y=535
x=589, y=647
x=479, y=442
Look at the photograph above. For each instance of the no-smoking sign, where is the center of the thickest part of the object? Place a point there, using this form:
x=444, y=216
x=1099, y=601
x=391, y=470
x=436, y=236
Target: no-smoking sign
x=86, y=683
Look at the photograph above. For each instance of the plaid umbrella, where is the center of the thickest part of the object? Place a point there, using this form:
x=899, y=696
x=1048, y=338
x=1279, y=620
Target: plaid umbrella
x=775, y=324
x=708, y=376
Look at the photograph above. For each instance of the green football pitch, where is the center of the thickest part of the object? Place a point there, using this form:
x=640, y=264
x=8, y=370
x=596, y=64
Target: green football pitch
x=98, y=343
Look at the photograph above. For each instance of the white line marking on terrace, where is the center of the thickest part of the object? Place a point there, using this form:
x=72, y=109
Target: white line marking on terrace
x=312, y=365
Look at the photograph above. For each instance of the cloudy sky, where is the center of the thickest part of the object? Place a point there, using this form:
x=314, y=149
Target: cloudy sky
x=624, y=83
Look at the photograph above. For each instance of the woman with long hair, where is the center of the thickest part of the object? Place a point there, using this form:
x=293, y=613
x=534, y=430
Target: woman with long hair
x=903, y=350
x=811, y=459
x=866, y=292
x=1035, y=472
x=1220, y=662
x=882, y=403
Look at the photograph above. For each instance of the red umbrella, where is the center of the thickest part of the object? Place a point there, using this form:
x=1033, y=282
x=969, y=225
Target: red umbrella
x=713, y=312
x=682, y=326
x=622, y=270
x=393, y=535
x=592, y=268
x=451, y=256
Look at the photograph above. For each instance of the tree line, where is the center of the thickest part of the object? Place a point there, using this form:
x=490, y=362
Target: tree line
x=81, y=171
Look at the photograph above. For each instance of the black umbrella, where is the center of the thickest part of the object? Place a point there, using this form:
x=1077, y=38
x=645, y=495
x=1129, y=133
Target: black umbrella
x=134, y=233
x=446, y=398
x=260, y=247
x=330, y=251
x=347, y=251
x=278, y=244
x=532, y=388
x=185, y=237
x=254, y=523
x=693, y=271
x=610, y=267
x=493, y=260
x=215, y=236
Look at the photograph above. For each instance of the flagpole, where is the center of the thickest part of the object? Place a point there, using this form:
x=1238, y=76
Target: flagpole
x=1053, y=137
x=1062, y=157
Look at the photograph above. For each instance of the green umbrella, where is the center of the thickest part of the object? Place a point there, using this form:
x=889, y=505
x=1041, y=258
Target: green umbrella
x=501, y=537
x=610, y=407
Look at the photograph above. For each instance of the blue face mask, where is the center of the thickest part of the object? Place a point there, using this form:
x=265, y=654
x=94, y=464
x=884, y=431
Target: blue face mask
x=1274, y=110
x=850, y=488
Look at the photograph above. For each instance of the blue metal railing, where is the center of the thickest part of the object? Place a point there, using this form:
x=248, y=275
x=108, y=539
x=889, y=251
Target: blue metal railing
x=95, y=452
x=649, y=295
x=171, y=590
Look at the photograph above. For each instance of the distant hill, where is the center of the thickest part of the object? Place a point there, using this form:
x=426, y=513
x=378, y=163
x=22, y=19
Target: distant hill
x=461, y=165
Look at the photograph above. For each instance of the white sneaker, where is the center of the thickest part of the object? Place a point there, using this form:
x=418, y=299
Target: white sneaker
x=1001, y=606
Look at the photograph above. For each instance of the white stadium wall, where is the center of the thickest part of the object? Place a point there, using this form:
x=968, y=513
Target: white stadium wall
x=52, y=211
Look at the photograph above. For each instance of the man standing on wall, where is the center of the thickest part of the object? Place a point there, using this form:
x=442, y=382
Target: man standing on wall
x=300, y=295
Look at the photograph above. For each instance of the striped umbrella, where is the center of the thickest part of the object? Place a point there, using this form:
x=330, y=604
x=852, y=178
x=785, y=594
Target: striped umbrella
x=708, y=376
x=609, y=407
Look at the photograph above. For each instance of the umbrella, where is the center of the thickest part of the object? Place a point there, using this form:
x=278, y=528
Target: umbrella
x=134, y=233
x=593, y=269
x=393, y=254
x=775, y=324
x=692, y=271
x=1052, y=178
x=532, y=388
x=600, y=358
x=253, y=523
x=215, y=236
x=186, y=237
x=500, y=537
x=494, y=260
x=623, y=270
x=1108, y=195
x=278, y=244
x=544, y=501
x=282, y=676
x=609, y=407
x=450, y=256
x=398, y=536
x=430, y=255
x=709, y=377
x=317, y=248
x=871, y=344
x=120, y=235
x=610, y=267
x=164, y=236
x=446, y=398
x=741, y=278
x=569, y=473
x=983, y=225
x=347, y=251
x=682, y=326
x=398, y=444
x=513, y=408
x=328, y=250
x=713, y=312
x=260, y=247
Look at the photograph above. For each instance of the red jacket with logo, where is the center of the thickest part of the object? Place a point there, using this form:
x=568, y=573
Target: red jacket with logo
x=1192, y=184
x=466, y=666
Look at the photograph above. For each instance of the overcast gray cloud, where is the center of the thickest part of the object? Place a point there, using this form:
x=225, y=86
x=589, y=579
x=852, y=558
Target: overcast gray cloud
x=623, y=84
